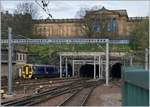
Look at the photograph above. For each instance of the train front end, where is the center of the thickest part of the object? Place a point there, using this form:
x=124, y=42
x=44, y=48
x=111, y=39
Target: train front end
x=26, y=71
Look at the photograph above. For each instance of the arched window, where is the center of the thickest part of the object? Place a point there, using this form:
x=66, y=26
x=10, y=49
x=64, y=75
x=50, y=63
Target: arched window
x=96, y=26
x=114, y=24
x=107, y=24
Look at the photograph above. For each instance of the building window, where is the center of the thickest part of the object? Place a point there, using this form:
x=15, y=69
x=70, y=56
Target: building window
x=18, y=56
x=40, y=30
x=107, y=24
x=114, y=24
x=96, y=26
x=23, y=57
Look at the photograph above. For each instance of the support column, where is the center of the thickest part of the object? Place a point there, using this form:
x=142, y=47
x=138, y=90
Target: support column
x=131, y=60
x=99, y=67
x=73, y=68
x=66, y=64
x=107, y=63
x=10, y=70
x=94, y=67
x=146, y=59
x=60, y=66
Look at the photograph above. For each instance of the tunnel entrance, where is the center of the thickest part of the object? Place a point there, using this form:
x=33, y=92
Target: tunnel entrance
x=87, y=70
x=116, y=70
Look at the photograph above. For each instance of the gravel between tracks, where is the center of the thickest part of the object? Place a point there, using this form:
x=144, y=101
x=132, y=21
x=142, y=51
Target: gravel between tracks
x=105, y=96
x=55, y=101
x=19, y=92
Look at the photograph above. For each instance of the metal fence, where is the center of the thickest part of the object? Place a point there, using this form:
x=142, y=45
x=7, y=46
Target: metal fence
x=135, y=86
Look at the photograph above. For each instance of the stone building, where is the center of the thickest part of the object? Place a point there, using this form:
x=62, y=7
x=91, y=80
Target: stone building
x=19, y=58
x=103, y=22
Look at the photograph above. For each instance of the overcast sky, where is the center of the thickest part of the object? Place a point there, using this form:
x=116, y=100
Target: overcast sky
x=68, y=9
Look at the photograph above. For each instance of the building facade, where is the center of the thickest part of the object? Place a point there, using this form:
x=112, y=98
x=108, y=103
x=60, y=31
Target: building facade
x=100, y=23
x=18, y=60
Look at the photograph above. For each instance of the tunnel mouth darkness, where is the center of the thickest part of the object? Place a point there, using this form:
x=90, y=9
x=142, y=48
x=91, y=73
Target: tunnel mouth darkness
x=87, y=70
x=116, y=71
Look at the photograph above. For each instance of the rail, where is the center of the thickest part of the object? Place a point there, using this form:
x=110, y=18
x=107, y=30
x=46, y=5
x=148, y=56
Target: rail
x=46, y=95
x=35, y=98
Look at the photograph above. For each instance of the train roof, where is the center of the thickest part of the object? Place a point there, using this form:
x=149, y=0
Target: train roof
x=41, y=65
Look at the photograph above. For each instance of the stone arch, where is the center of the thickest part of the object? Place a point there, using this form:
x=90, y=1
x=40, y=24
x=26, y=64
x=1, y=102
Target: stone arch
x=115, y=70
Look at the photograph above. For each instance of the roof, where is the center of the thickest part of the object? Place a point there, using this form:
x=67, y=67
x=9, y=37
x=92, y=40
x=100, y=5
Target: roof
x=57, y=20
x=137, y=18
x=122, y=12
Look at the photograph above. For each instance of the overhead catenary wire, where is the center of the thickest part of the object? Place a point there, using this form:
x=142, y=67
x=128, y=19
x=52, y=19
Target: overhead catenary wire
x=44, y=6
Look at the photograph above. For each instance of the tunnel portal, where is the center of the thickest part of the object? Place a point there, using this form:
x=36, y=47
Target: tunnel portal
x=116, y=70
x=87, y=70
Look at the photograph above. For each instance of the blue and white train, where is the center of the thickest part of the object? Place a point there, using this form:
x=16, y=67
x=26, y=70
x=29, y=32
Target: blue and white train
x=36, y=71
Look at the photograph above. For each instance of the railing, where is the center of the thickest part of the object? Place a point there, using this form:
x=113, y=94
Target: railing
x=56, y=41
x=69, y=41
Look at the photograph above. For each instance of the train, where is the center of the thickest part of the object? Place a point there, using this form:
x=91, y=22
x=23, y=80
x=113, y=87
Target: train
x=40, y=71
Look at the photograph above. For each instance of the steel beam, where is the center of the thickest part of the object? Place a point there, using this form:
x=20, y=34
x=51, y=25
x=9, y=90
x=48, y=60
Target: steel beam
x=94, y=67
x=102, y=69
x=73, y=68
x=131, y=60
x=66, y=65
x=69, y=41
x=146, y=59
x=107, y=63
x=60, y=66
x=56, y=41
x=99, y=67
x=10, y=70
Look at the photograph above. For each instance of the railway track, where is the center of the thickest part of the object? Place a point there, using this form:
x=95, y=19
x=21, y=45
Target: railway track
x=45, y=95
x=36, y=83
x=79, y=97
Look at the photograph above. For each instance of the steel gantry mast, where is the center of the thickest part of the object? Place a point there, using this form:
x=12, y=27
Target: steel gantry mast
x=64, y=41
x=11, y=41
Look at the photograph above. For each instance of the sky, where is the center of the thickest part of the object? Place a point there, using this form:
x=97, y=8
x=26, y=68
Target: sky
x=68, y=9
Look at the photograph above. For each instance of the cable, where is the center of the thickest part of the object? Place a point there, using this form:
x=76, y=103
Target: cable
x=44, y=6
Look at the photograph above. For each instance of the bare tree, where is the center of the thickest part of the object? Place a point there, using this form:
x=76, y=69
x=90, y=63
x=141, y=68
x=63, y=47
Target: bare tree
x=27, y=8
x=81, y=13
x=94, y=25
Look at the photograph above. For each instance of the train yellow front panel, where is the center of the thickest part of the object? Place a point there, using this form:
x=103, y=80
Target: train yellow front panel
x=26, y=71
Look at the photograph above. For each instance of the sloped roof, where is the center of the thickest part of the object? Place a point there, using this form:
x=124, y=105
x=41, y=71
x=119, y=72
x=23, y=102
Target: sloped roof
x=122, y=12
